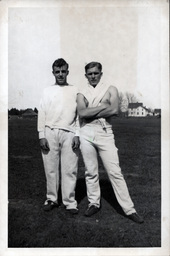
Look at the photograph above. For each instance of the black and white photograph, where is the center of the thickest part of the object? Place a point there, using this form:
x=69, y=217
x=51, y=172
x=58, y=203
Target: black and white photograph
x=84, y=127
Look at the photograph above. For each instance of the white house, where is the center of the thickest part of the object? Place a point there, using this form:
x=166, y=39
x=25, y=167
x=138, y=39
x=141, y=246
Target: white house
x=137, y=109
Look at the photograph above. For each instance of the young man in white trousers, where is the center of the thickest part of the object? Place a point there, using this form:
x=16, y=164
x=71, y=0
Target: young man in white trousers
x=59, y=140
x=97, y=103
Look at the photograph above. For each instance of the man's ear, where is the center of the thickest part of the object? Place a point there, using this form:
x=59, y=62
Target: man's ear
x=85, y=75
x=67, y=72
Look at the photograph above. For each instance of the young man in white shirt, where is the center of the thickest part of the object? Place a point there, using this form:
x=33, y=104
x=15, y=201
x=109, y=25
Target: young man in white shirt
x=59, y=140
x=97, y=103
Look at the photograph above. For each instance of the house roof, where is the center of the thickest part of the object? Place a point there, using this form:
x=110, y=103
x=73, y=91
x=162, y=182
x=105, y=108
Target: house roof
x=157, y=110
x=135, y=105
x=29, y=112
x=146, y=109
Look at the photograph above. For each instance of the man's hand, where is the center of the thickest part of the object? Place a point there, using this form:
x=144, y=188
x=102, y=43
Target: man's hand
x=44, y=144
x=75, y=142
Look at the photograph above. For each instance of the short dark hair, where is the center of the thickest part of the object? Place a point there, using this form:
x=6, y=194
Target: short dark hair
x=59, y=63
x=92, y=65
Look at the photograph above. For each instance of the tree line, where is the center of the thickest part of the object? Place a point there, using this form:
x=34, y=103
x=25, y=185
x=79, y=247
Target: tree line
x=124, y=100
x=15, y=111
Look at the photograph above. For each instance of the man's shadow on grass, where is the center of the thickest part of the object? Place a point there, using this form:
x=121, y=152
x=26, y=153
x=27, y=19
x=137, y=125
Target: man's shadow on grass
x=80, y=190
x=106, y=192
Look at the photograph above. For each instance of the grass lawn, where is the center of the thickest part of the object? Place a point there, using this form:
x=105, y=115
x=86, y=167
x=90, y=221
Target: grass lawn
x=138, y=141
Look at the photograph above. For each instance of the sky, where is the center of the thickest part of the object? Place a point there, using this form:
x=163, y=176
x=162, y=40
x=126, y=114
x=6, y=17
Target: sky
x=126, y=40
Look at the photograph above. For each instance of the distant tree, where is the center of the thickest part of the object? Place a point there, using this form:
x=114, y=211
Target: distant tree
x=151, y=110
x=21, y=111
x=13, y=111
x=123, y=103
x=124, y=100
x=131, y=98
x=36, y=110
x=120, y=98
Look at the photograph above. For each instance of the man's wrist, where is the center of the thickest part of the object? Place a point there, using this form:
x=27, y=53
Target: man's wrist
x=41, y=135
x=77, y=134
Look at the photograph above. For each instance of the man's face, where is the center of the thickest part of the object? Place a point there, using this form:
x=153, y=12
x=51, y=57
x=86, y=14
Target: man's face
x=61, y=74
x=93, y=75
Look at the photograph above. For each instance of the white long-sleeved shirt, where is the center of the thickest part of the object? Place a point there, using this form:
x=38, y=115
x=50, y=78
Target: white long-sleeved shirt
x=58, y=109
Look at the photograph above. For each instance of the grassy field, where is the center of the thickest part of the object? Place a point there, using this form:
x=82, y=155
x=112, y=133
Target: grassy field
x=138, y=141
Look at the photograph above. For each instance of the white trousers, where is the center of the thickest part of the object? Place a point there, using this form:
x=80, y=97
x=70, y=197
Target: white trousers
x=96, y=139
x=60, y=152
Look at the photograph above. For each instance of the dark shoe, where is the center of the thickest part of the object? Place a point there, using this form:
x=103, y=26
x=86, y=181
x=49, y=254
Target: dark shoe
x=91, y=210
x=73, y=211
x=136, y=218
x=49, y=205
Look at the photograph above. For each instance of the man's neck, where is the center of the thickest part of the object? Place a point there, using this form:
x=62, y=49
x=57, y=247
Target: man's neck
x=61, y=85
x=94, y=86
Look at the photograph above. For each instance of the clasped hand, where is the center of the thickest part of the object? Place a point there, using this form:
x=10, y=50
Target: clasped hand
x=45, y=145
x=75, y=142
